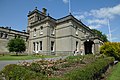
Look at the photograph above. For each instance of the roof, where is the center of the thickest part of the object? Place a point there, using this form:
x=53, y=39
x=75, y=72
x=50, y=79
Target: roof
x=9, y=28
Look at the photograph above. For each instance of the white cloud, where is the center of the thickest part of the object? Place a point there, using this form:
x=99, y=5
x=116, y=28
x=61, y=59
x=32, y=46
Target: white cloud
x=109, y=12
x=65, y=1
x=98, y=18
x=95, y=26
x=79, y=17
x=97, y=21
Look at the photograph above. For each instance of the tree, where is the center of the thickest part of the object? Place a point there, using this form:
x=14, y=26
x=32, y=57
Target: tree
x=16, y=45
x=102, y=36
x=111, y=49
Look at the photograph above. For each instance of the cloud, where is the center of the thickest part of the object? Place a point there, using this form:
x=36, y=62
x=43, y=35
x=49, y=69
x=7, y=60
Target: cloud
x=79, y=17
x=95, y=26
x=65, y=1
x=97, y=18
x=109, y=12
x=98, y=21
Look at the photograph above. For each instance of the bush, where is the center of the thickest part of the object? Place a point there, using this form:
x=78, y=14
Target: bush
x=111, y=49
x=91, y=71
x=16, y=72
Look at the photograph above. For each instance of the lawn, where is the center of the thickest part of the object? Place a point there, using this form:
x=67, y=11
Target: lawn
x=24, y=57
x=115, y=74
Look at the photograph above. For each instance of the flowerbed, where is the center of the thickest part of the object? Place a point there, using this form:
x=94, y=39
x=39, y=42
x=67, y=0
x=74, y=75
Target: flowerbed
x=72, y=68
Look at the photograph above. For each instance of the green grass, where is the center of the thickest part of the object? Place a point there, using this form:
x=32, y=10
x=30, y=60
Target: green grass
x=24, y=57
x=115, y=74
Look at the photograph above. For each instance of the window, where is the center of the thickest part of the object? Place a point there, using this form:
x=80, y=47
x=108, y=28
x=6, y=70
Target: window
x=76, y=45
x=37, y=46
x=18, y=36
x=33, y=46
x=76, y=31
x=15, y=36
x=52, y=31
x=34, y=34
x=52, y=45
x=40, y=45
x=6, y=35
x=1, y=35
x=41, y=30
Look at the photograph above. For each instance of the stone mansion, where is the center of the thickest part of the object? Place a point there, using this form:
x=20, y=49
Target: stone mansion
x=47, y=35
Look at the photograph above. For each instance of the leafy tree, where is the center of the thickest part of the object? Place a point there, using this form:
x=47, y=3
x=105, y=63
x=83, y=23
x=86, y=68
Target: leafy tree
x=111, y=49
x=102, y=36
x=16, y=45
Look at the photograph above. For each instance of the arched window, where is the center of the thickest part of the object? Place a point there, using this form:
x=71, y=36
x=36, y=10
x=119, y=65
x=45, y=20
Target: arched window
x=34, y=33
x=41, y=30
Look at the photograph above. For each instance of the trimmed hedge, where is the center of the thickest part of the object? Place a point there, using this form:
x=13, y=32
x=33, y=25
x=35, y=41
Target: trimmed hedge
x=111, y=49
x=89, y=72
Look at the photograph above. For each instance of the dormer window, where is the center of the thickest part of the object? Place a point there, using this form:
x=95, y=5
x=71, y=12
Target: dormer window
x=41, y=30
x=34, y=35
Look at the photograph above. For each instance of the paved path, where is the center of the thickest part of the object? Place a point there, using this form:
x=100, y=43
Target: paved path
x=4, y=63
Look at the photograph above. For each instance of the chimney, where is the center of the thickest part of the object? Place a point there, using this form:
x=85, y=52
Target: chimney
x=44, y=10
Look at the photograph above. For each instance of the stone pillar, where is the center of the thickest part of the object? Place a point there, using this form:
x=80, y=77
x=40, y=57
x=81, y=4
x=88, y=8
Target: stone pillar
x=97, y=46
x=82, y=49
x=93, y=48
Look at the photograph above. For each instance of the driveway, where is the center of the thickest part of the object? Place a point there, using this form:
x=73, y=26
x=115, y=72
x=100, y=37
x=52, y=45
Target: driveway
x=4, y=63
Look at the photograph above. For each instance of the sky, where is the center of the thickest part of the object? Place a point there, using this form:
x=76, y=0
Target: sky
x=96, y=14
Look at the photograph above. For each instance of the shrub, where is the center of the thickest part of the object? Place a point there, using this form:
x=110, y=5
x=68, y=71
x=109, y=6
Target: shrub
x=111, y=49
x=35, y=67
x=16, y=72
x=91, y=71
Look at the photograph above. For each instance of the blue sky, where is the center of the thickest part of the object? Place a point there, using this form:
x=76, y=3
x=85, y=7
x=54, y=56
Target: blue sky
x=93, y=13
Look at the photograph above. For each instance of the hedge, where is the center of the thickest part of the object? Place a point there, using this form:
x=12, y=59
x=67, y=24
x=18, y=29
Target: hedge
x=89, y=72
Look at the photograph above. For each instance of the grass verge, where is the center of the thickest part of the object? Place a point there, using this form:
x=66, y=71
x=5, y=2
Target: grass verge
x=24, y=57
x=115, y=74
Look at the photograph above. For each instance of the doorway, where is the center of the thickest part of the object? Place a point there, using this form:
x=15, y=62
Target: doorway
x=88, y=46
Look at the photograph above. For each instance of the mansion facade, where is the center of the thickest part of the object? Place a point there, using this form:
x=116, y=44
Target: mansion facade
x=47, y=35
x=66, y=35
